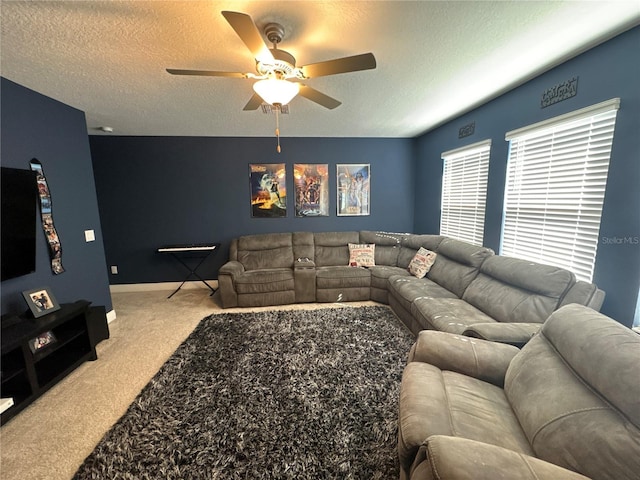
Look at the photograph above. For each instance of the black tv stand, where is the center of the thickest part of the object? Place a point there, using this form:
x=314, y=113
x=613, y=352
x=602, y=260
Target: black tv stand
x=27, y=373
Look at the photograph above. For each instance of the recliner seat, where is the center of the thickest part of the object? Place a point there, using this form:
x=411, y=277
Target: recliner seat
x=570, y=398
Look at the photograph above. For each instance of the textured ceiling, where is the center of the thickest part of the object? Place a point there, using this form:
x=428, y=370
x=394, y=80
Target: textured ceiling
x=436, y=60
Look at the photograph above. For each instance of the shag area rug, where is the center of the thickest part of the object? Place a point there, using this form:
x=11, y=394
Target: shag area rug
x=304, y=394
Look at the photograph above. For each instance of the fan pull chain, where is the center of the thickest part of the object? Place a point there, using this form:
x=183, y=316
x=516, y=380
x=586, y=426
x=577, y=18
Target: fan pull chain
x=278, y=128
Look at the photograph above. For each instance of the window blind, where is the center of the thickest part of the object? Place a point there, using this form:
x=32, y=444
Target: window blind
x=464, y=192
x=555, y=186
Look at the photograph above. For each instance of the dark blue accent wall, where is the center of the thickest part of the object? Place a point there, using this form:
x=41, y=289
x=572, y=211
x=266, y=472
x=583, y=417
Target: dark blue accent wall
x=607, y=71
x=154, y=191
x=35, y=126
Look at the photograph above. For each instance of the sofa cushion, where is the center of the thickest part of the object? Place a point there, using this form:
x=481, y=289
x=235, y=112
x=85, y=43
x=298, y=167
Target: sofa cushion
x=380, y=275
x=343, y=284
x=342, y=277
x=330, y=295
x=303, y=245
x=406, y=288
x=331, y=248
x=380, y=281
x=457, y=264
x=283, y=297
x=437, y=402
x=444, y=457
x=387, y=245
x=481, y=359
x=451, y=315
x=412, y=243
x=584, y=293
x=362, y=254
x=574, y=388
x=516, y=290
x=421, y=262
x=264, y=281
x=270, y=250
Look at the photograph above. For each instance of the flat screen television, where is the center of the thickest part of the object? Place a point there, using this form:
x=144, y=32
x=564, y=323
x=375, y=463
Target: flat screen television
x=19, y=205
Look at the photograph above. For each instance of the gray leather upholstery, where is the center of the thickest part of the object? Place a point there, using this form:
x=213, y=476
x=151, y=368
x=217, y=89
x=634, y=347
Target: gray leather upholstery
x=468, y=290
x=571, y=398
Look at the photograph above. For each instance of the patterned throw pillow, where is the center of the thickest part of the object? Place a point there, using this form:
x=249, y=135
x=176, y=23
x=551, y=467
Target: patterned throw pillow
x=421, y=263
x=362, y=255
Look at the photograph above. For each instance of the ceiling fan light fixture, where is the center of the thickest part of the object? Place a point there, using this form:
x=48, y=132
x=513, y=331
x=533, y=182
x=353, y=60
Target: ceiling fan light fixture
x=276, y=91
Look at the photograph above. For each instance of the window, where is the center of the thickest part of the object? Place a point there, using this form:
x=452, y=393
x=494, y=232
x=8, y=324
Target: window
x=636, y=317
x=556, y=179
x=464, y=192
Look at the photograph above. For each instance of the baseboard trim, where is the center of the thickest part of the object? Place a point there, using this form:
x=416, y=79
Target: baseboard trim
x=148, y=287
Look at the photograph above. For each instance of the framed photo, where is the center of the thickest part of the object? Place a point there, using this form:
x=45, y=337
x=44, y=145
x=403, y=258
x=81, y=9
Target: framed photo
x=268, y=190
x=41, y=301
x=311, y=184
x=41, y=341
x=353, y=182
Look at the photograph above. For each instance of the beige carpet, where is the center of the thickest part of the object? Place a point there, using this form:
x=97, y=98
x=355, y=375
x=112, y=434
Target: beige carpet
x=50, y=439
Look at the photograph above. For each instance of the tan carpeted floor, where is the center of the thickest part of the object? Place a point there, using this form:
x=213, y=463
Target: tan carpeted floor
x=50, y=439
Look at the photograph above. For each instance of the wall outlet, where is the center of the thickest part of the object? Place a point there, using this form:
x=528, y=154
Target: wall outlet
x=114, y=269
x=89, y=235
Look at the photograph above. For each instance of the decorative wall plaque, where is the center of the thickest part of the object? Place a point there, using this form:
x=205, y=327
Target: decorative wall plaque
x=559, y=92
x=467, y=130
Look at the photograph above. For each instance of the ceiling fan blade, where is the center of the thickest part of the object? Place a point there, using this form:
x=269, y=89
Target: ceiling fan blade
x=319, y=97
x=365, y=61
x=249, y=34
x=206, y=73
x=254, y=102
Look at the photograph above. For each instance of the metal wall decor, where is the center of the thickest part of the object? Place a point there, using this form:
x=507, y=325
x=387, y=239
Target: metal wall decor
x=559, y=92
x=467, y=130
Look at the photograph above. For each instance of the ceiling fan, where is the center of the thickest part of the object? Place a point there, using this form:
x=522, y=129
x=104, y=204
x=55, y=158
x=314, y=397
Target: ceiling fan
x=278, y=78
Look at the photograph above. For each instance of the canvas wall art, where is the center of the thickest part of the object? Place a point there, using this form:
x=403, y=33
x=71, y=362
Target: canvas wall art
x=311, y=183
x=353, y=182
x=268, y=190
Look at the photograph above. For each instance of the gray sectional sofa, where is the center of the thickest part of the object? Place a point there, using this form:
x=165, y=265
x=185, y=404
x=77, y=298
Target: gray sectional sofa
x=555, y=396
x=567, y=402
x=468, y=290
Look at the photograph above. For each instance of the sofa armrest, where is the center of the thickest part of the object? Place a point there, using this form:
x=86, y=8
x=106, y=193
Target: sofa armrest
x=226, y=283
x=454, y=458
x=487, y=361
x=232, y=268
x=516, y=334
